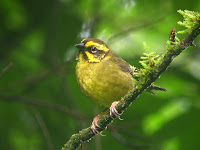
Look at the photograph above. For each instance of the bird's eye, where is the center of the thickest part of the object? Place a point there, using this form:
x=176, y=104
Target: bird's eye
x=93, y=50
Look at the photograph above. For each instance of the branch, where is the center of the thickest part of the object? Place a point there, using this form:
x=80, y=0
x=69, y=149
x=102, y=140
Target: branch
x=5, y=69
x=122, y=140
x=134, y=28
x=143, y=79
x=44, y=129
x=34, y=102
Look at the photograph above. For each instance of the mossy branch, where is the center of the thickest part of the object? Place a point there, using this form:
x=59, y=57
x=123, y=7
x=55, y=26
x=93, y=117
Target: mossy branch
x=154, y=66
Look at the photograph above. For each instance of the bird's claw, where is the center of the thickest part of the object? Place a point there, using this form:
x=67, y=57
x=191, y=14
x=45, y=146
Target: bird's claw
x=95, y=125
x=113, y=110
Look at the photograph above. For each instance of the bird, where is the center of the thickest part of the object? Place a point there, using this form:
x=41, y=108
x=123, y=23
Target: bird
x=103, y=76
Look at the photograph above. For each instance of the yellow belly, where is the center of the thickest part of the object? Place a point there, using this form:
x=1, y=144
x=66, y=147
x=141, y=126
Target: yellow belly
x=103, y=82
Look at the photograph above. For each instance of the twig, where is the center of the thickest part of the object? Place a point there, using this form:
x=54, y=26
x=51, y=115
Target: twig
x=5, y=69
x=44, y=129
x=56, y=107
x=28, y=80
x=153, y=74
x=128, y=133
x=122, y=140
x=35, y=78
x=133, y=28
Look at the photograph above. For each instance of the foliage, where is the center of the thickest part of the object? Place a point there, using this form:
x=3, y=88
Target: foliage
x=41, y=105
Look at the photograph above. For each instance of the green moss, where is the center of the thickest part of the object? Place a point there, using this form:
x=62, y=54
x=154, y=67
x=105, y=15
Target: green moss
x=191, y=20
x=149, y=59
x=172, y=45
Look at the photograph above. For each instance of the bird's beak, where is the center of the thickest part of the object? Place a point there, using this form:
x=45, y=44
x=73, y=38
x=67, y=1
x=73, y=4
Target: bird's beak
x=80, y=46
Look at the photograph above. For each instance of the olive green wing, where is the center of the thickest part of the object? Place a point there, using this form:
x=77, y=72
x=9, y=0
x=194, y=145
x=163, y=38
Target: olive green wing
x=126, y=67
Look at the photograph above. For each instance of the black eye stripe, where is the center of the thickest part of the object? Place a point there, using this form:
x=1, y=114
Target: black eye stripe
x=94, y=51
x=93, y=48
x=85, y=56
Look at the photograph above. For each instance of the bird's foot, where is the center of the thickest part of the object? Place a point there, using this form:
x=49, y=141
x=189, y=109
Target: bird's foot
x=113, y=110
x=95, y=125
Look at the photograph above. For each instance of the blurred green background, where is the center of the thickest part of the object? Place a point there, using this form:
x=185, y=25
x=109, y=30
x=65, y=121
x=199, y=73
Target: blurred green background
x=41, y=105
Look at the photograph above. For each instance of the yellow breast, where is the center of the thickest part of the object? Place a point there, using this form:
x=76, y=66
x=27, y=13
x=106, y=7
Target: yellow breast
x=103, y=82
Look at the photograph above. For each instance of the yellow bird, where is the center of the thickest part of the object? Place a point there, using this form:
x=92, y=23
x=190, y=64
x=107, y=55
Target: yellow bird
x=102, y=76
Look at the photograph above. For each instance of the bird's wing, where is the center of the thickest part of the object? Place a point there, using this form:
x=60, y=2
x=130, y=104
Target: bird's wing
x=126, y=67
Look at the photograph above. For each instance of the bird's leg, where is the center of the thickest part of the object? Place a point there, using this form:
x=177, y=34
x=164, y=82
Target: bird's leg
x=95, y=123
x=113, y=110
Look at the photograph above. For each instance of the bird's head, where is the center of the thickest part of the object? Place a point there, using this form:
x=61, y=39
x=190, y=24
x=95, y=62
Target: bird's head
x=92, y=50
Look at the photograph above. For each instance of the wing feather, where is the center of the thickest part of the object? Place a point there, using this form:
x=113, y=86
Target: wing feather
x=126, y=67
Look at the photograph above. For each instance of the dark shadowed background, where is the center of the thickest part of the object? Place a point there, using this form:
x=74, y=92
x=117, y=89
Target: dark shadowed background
x=41, y=105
